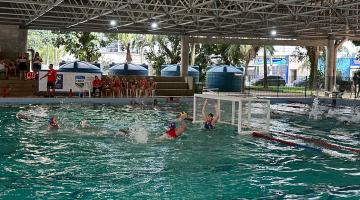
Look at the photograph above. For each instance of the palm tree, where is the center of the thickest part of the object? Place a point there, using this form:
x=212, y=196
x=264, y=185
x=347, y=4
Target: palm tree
x=313, y=54
x=242, y=53
x=142, y=41
x=271, y=50
x=125, y=40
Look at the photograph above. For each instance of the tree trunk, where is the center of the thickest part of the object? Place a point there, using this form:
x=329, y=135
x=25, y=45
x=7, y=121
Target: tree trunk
x=54, y=57
x=265, y=70
x=142, y=54
x=192, y=60
x=47, y=55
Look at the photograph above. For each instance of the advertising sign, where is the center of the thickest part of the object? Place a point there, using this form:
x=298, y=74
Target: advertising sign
x=65, y=81
x=59, y=84
x=80, y=81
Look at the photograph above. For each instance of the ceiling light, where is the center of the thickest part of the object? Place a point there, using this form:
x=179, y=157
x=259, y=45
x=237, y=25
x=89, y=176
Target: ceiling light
x=154, y=25
x=113, y=23
x=273, y=32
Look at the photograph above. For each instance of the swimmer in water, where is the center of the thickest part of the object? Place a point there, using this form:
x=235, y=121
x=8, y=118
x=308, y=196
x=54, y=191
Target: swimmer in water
x=174, y=132
x=84, y=124
x=209, y=119
x=188, y=118
x=21, y=116
x=53, y=123
x=123, y=132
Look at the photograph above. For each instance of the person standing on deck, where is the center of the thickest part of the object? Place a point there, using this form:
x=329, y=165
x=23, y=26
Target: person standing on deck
x=51, y=76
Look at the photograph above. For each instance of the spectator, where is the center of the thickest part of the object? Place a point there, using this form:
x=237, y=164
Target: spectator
x=3, y=68
x=117, y=86
x=143, y=84
x=97, y=86
x=133, y=83
x=138, y=88
x=11, y=66
x=107, y=86
x=125, y=87
x=23, y=63
x=356, y=80
x=36, y=63
x=51, y=76
x=152, y=87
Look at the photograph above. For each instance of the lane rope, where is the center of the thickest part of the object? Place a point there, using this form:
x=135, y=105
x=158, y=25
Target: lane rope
x=292, y=144
x=318, y=142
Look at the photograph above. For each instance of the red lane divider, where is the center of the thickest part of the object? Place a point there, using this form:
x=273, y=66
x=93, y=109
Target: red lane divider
x=292, y=144
x=319, y=142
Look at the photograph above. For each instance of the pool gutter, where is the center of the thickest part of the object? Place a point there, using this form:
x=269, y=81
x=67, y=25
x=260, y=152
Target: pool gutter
x=150, y=100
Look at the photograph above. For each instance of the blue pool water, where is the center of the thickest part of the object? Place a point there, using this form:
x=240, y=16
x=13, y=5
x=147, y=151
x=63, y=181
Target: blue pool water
x=98, y=163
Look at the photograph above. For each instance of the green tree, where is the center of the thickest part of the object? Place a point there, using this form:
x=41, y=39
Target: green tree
x=227, y=54
x=203, y=58
x=142, y=41
x=83, y=45
x=41, y=41
x=163, y=49
x=271, y=50
x=242, y=54
x=356, y=42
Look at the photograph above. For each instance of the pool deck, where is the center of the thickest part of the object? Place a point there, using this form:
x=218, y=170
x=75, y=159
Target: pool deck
x=150, y=100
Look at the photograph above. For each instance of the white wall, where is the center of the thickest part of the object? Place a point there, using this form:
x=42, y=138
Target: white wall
x=69, y=80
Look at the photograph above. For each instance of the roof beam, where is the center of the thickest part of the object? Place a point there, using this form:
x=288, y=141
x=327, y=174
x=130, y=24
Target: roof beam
x=209, y=40
x=164, y=14
x=99, y=15
x=50, y=6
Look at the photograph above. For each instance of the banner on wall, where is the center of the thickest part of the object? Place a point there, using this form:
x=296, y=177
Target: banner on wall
x=80, y=81
x=65, y=81
x=355, y=62
x=275, y=60
x=59, y=84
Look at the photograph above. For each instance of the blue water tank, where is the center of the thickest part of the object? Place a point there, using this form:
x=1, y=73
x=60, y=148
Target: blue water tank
x=241, y=69
x=79, y=66
x=223, y=77
x=112, y=64
x=145, y=66
x=174, y=70
x=128, y=69
x=97, y=64
x=62, y=63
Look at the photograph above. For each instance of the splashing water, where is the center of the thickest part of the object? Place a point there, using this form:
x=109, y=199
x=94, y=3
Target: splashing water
x=315, y=112
x=138, y=133
x=340, y=115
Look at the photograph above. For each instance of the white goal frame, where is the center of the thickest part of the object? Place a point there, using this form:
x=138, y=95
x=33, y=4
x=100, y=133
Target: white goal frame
x=234, y=100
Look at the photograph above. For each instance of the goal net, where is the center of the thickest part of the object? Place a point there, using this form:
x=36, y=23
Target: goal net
x=244, y=112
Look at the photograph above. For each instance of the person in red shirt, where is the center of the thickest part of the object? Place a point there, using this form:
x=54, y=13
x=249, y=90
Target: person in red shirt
x=51, y=76
x=97, y=85
x=143, y=84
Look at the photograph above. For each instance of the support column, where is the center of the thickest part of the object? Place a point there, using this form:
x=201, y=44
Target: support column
x=337, y=46
x=315, y=69
x=330, y=65
x=333, y=80
x=13, y=40
x=184, y=55
x=23, y=34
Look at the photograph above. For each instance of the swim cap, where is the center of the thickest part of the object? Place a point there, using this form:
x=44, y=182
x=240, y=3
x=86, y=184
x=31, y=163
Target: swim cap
x=211, y=115
x=51, y=120
x=183, y=113
x=172, y=125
